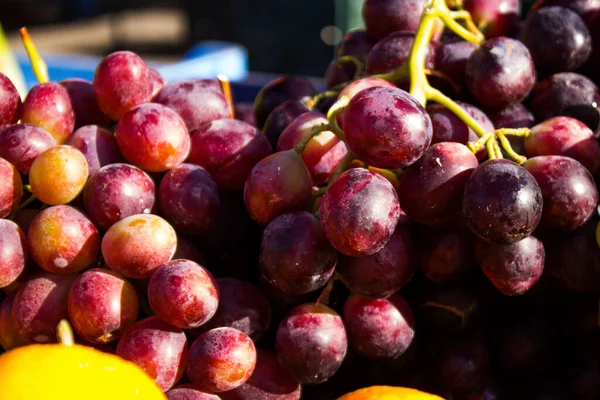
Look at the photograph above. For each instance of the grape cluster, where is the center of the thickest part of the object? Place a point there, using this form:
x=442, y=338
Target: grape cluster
x=428, y=221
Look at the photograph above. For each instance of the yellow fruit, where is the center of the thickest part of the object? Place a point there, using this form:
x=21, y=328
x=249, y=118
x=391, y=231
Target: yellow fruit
x=388, y=393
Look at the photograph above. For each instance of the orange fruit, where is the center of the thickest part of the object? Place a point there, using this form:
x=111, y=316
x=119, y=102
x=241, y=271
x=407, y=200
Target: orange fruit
x=388, y=393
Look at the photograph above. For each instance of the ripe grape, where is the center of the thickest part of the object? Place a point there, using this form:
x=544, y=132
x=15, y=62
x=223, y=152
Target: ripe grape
x=502, y=202
x=228, y=149
x=462, y=364
x=379, y=328
x=189, y=392
x=10, y=105
x=451, y=59
x=9, y=332
x=564, y=136
x=137, y=245
x=63, y=240
x=158, y=82
x=589, y=10
x=102, y=305
x=183, y=293
x=197, y=102
x=445, y=255
x=295, y=255
x=98, y=145
x=359, y=212
x=500, y=72
x=568, y=189
x=122, y=81
x=515, y=115
x=221, y=359
x=189, y=199
x=431, y=190
x=48, y=106
x=311, y=343
x=356, y=43
x=187, y=250
x=386, y=127
x=495, y=17
x=281, y=117
x=277, y=184
x=359, y=85
x=384, y=272
x=339, y=72
x=40, y=304
x=11, y=190
x=392, y=51
x=161, y=350
x=83, y=100
x=447, y=127
x=153, y=137
x=382, y=17
x=13, y=256
x=21, y=144
x=58, y=175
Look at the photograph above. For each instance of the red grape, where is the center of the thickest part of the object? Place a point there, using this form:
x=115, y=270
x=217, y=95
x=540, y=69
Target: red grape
x=361, y=84
x=447, y=127
x=183, y=293
x=10, y=103
x=382, y=17
x=244, y=111
x=189, y=199
x=63, y=240
x=153, y=137
x=589, y=10
x=40, y=304
x=137, y=245
x=221, y=359
x=311, y=343
x=495, y=17
x=228, y=149
x=189, y=392
x=339, y=72
x=359, y=212
x=21, y=144
x=102, y=305
x=161, y=350
x=392, y=51
x=515, y=115
x=451, y=59
x=158, y=82
x=281, y=117
x=13, y=256
x=83, y=100
x=188, y=251
x=122, y=81
x=9, y=332
x=48, y=106
x=445, y=255
x=295, y=255
x=11, y=190
x=355, y=43
x=386, y=127
x=98, y=145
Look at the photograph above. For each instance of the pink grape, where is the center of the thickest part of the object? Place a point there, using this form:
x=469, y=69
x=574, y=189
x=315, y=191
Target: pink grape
x=85, y=105
x=97, y=144
x=21, y=144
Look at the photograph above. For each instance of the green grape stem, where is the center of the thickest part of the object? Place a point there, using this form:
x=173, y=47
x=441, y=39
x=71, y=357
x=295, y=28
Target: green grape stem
x=316, y=131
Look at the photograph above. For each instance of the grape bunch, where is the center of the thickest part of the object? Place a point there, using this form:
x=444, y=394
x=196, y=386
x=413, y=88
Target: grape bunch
x=430, y=220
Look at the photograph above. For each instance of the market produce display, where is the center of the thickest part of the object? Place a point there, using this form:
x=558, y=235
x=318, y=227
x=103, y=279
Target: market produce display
x=426, y=228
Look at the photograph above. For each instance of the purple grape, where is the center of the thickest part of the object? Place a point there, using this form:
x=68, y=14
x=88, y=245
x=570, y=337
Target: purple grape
x=392, y=51
x=281, y=117
x=383, y=17
x=447, y=127
x=21, y=144
x=495, y=17
x=462, y=364
x=13, y=257
x=85, y=105
x=514, y=116
x=11, y=190
x=589, y=10
x=356, y=43
x=339, y=72
x=189, y=392
x=10, y=105
x=445, y=255
x=244, y=112
x=98, y=145
x=451, y=59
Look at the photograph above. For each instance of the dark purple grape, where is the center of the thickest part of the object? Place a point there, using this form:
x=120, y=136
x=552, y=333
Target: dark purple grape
x=379, y=328
x=514, y=116
x=523, y=347
x=568, y=189
x=279, y=91
x=356, y=43
x=311, y=343
x=85, y=105
x=445, y=255
x=359, y=212
x=513, y=268
x=386, y=127
x=392, y=51
x=447, y=127
x=281, y=117
x=383, y=17
x=502, y=202
x=244, y=111
x=384, y=272
x=495, y=17
x=462, y=364
x=339, y=72
x=500, y=72
x=21, y=144
x=295, y=255
x=451, y=59
x=589, y=10
x=431, y=190
x=451, y=310
x=97, y=144
x=10, y=106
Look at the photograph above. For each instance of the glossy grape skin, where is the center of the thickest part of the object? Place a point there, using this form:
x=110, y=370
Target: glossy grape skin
x=63, y=240
x=48, y=106
x=355, y=43
x=228, y=149
x=189, y=199
x=447, y=127
x=431, y=189
x=295, y=255
x=322, y=153
x=83, y=100
x=10, y=102
x=9, y=332
x=500, y=72
x=379, y=328
x=40, y=304
x=268, y=381
x=158, y=82
x=392, y=51
x=383, y=17
x=514, y=268
x=495, y=17
x=137, y=245
x=20, y=144
x=564, y=136
x=102, y=305
x=589, y=10
x=567, y=94
x=502, y=202
x=357, y=86
x=153, y=137
x=58, y=175
x=462, y=364
x=221, y=359
x=281, y=117
x=451, y=59
x=183, y=294
x=515, y=115
x=569, y=192
x=122, y=81
x=386, y=127
x=13, y=257
x=189, y=392
x=279, y=91
x=97, y=144
x=197, y=102
x=11, y=190
x=384, y=272
x=161, y=350
x=311, y=343
x=277, y=184
x=359, y=212
x=445, y=255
